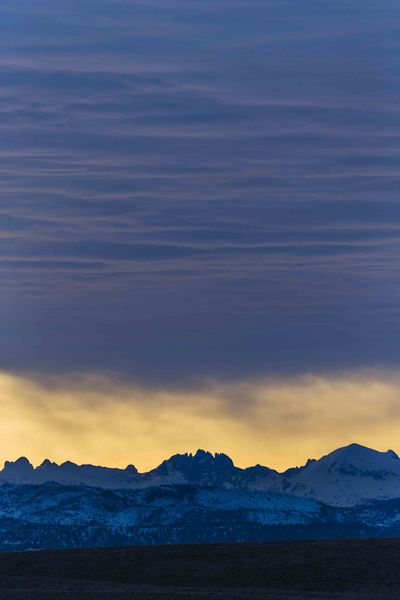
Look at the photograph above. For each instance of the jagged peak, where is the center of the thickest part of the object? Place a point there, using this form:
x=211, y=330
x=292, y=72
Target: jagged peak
x=207, y=468
x=206, y=455
x=198, y=456
x=22, y=461
x=47, y=463
x=200, y=466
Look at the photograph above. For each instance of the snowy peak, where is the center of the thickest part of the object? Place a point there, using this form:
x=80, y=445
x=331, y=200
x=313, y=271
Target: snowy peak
x=350, y=475
x=360, y=452
x=358, y=460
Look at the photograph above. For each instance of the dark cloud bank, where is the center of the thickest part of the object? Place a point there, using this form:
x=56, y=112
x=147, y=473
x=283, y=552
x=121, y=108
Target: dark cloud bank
x=195, y=189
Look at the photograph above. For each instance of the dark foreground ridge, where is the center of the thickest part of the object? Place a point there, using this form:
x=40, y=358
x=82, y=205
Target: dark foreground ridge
x=344, y=569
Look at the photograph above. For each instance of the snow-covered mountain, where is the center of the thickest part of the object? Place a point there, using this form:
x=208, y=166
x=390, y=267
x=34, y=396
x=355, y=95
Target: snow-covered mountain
x=351, y=492
x=53, y=515
x=346, y=477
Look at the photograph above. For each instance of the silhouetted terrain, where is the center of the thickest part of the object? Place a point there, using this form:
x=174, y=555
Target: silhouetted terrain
x=342, y=569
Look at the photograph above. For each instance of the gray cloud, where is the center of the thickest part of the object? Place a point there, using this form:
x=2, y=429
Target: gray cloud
x=199, y=188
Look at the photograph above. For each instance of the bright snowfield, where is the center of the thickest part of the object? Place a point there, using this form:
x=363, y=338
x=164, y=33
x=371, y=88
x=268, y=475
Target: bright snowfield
x=351, y=492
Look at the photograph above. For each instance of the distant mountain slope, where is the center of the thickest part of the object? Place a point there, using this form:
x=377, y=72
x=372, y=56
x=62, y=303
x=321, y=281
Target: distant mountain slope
x=346, y=477
x=53, y=515
x=22, y=472
x=201, y=468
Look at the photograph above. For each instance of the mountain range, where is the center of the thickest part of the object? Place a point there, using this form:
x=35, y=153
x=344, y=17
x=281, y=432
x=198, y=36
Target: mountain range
x=353, y=491
x=345, y=477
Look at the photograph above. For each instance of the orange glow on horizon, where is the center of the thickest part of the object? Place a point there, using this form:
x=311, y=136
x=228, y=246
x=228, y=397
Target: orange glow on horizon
x=278, y=423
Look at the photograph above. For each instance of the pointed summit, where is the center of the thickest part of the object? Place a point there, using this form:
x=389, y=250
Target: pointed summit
x=46, y=464
x=131, y=470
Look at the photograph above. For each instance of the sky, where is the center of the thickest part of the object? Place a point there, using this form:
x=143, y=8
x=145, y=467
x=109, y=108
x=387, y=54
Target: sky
x=199, y=228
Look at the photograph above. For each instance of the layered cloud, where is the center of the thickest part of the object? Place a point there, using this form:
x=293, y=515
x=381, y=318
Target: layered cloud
x=278, y=422
x=195, y=189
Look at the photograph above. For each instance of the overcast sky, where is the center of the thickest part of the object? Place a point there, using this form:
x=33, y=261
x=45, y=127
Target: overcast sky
x=199, y=190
